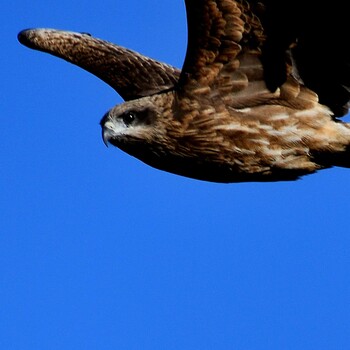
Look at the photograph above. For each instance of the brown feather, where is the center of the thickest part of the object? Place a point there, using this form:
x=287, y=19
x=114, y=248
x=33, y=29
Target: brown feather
x=245, y=106
x=132, y=75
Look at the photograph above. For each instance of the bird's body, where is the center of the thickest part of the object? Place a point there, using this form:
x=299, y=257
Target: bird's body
x=229, y=144
x=223, y=118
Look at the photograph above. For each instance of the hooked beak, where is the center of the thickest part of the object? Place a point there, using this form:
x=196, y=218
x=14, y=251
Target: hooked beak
x=107, y=129
x=107, y=132
x=105, y=137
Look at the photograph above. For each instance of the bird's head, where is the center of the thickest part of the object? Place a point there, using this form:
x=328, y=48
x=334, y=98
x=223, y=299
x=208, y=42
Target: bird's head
x=136, y=122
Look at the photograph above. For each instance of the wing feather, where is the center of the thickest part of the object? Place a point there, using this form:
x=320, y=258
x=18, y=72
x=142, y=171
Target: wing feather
x=215, y=29
x=291, y=41
x=131, y=74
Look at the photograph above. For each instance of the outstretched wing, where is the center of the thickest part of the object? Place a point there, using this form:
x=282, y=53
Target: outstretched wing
x=131, y=74
x=243, y=47
x=225, y=38
x=215, y=29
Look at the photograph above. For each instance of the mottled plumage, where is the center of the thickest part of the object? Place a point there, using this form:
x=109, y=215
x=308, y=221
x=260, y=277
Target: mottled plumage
x=257, y=98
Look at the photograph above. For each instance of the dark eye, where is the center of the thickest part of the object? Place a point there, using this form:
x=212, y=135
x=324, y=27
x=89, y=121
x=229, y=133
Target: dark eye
x=129, y=118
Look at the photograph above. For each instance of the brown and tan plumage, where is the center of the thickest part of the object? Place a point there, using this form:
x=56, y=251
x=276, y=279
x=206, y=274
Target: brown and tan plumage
x=257, y=99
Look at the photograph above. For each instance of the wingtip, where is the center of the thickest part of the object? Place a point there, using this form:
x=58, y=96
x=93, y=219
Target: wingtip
x=23, y=35
x=26, y=36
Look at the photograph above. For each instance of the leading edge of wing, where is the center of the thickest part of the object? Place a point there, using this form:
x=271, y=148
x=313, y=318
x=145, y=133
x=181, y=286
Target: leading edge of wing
x=131, y=74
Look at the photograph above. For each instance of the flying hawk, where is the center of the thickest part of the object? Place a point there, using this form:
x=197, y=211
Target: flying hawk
x=258, y=98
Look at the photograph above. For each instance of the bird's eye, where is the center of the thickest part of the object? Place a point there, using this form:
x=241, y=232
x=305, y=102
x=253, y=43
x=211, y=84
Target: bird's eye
x=128, y=118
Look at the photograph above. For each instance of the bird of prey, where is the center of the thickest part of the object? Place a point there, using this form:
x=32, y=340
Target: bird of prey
x=259, y=96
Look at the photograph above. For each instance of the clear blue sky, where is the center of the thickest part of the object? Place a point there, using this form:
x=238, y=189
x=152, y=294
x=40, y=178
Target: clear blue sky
x=99, y=251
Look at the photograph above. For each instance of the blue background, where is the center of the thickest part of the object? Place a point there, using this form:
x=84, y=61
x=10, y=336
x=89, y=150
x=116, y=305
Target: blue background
x=99, y=251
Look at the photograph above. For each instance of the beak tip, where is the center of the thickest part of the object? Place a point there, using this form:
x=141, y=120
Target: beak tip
x=105, y=138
